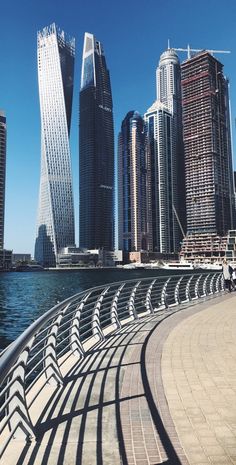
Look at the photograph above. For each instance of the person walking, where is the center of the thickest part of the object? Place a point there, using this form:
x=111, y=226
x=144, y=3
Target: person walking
x=234, y=278
x=227, y=272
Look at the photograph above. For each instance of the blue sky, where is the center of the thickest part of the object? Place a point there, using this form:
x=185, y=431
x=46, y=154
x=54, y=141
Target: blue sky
x=134, y=33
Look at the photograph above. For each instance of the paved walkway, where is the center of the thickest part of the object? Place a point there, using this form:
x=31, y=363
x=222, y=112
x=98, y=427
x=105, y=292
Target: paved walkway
x=199, y=376
x=162, y=390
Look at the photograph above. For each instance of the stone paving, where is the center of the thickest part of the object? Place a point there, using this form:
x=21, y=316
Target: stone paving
x=199, y=376
x=162, y=390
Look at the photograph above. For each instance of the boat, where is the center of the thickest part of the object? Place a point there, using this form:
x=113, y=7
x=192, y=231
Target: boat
x=28, y=267
x=182, y=265
x=179, y=266
x=133, y=266
x=210, y=266
x=129, y=266
x=153, y=265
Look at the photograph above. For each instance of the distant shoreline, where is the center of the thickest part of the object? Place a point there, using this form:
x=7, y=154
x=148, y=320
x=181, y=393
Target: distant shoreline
x=89, y=268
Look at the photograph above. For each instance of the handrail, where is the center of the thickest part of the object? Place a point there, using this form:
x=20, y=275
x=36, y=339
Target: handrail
x=75, y=326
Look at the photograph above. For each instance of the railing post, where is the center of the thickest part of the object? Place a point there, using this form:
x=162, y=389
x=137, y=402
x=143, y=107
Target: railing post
x=205, y=285
x=96, y=326
x=114, y=314
x=176, y=292
x=220, y=283
x=217, y=284
x=19, y=420
x=53, y=372
x=131, y=306
x=212, y=284
x=164, y=303
x=148, y=300
x=76, y=345
x=187, y=290
x=196, y=290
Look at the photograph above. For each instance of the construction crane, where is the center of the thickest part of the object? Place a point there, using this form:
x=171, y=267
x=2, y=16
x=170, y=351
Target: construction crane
x=178, y=220
x=189, y=50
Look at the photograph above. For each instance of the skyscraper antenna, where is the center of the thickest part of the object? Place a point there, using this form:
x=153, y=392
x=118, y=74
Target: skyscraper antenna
x=168, y=44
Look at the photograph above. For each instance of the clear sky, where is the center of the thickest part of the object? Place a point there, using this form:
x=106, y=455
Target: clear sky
x=134, y=33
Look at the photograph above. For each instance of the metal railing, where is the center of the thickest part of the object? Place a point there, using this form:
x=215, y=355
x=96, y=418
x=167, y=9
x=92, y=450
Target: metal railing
x=76, y=325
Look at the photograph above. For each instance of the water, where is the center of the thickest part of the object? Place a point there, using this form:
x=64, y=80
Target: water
x=27, y=295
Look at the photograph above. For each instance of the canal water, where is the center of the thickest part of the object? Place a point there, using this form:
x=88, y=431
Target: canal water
x=24, y=296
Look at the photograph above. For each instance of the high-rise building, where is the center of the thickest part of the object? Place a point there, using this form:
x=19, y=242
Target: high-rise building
x=96, y=150
x=134, y=187
x=208, y=158
x=169, y=93
x=55, y=227
x=234, y=176
x=207, y=145
x=5, y=255
x=159, y=149
x=3, y=137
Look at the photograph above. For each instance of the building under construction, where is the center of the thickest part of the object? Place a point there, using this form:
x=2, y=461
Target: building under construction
x=208, y=157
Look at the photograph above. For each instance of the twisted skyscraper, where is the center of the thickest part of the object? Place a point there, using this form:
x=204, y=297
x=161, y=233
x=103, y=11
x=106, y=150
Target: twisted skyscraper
x=96, y=146
x=56, y=210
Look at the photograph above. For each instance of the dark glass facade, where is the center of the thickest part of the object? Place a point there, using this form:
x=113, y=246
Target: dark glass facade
x=134, y=186
x=3, y=132
x=96, y=150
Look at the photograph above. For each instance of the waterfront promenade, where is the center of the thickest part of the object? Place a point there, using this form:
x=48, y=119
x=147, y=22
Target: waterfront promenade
x=159, y=390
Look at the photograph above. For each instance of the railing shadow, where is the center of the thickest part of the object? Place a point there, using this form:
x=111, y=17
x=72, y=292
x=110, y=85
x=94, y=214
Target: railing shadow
x=96, y=367
x=81, y=382
x=173, y=458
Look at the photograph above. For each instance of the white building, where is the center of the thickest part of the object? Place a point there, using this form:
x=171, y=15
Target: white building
x=169, y=93
x=74, y=256
x=159, y=151
x=55, y=228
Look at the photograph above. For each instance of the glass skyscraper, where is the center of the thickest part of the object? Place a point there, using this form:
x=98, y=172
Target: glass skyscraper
x=134, y=187
x=96, y=150
x=169, y=93
x=159, y=150
x=55, y=227
x=3, y=135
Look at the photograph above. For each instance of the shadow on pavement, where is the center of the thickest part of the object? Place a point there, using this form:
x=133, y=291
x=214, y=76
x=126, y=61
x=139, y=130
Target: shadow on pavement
x=84, y=417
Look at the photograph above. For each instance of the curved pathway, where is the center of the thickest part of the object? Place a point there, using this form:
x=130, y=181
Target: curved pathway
x=199, y=376
x=161, y=390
